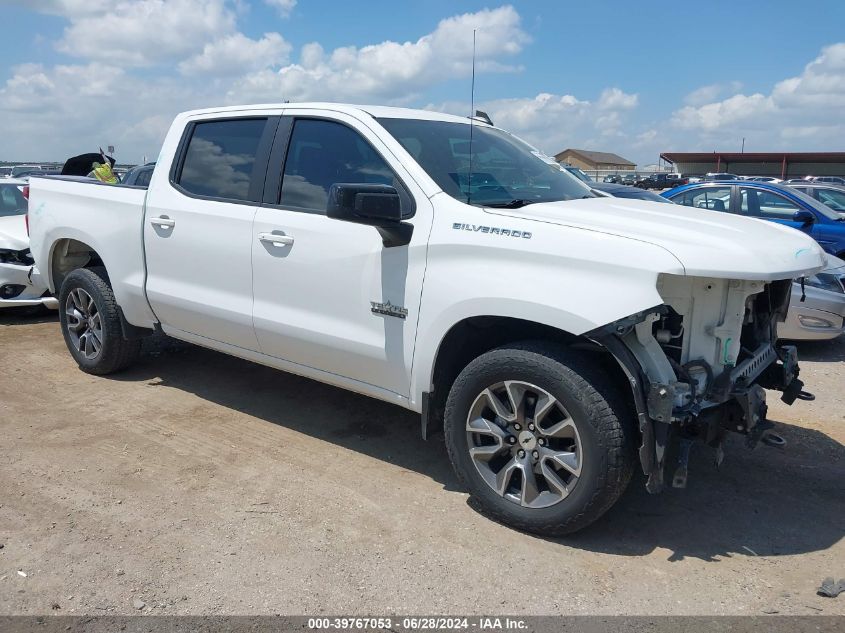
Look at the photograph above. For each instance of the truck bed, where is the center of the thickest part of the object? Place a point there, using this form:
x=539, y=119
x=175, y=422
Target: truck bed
x=75, y=209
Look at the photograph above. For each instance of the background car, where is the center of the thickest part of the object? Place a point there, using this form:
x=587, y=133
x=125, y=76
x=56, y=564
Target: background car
x=836, y=180
x=20, y=282
x=625, y=191
x=777, y=203
x=5, y=172
x=613, y=178
x=716, y=176
x=629, y=179
x=765, y=179
x=20, y=171
x=830, y=195
x=821, y=313
x=662, y=181
x=139, y=176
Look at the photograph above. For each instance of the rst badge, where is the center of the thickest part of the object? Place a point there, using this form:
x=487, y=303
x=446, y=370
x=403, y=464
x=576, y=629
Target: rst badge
x=388, y=309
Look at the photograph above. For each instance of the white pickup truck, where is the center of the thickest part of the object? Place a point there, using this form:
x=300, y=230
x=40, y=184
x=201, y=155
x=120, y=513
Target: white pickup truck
x=444, y=265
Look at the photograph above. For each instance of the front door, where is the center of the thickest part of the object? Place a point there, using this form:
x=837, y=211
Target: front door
x=328, y=294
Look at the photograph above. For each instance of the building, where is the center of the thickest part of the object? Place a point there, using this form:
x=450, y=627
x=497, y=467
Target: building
x=777, y=164
x=594, y=161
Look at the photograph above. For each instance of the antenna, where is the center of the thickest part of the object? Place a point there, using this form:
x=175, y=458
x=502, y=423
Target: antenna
x=471, y=120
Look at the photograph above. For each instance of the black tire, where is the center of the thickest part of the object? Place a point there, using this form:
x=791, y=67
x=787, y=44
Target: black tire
x=604, y=421
x=116, y=353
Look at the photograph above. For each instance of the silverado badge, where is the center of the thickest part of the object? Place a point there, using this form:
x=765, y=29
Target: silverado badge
x=388, y=309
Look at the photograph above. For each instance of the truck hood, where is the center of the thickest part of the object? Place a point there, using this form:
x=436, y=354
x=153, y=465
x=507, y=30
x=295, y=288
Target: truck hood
x=13, y=233
x=707, y=243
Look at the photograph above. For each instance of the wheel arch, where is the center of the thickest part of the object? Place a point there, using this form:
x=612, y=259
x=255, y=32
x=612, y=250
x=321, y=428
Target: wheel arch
x=473, y=336
x=66, y=255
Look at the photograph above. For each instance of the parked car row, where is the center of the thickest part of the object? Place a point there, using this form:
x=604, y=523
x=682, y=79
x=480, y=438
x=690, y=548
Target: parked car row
x=818, y=302
x=817, y=309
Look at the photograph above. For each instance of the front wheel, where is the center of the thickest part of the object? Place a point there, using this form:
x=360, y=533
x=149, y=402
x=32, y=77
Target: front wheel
x=91, y=323
x=540, y=437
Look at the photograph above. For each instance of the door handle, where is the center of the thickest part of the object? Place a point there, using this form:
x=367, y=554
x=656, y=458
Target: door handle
x=165, y=223
x=276, y=239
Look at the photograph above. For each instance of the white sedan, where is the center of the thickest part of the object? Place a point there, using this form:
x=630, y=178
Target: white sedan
x=20, y=282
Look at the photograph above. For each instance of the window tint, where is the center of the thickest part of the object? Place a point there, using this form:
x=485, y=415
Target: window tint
x=221, y=157
x=12, y=201
x=833, y=198
x=322, y=153
x=143, y=179
x=504, y=168
x=765, y=204
x=714, y=198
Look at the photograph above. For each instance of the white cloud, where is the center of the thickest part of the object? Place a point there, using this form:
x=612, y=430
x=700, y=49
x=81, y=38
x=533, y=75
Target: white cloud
x=805, y=109
x=711, y=92
x=236, y=54
x=615, y=99
x=392, y=71
x=284, y=7
x=553, y=123
x=144, y=32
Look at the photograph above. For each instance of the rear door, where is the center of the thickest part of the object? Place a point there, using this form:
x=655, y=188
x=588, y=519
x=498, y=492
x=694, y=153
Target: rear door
x=198, y=229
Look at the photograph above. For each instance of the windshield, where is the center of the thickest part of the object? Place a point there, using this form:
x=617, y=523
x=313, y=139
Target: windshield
x=505, y=170
x=12, y=201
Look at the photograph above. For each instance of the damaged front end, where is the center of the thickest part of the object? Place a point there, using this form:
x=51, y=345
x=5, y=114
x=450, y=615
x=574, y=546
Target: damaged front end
x=698, y=365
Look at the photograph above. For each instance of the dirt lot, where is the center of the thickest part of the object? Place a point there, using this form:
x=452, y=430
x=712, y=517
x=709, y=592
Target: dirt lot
x=197, y=483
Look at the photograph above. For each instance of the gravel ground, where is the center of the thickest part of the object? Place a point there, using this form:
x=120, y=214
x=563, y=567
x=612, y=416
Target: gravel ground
x=197, y=483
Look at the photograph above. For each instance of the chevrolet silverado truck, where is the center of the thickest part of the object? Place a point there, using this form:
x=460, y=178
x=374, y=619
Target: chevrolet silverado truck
x=437, y=262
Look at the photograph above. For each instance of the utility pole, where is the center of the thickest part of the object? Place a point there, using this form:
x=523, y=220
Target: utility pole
x=742, y=151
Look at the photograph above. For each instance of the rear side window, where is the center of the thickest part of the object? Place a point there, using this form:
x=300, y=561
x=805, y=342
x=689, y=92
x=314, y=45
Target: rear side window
x=322, y=153
x=220, y=158
x=713, y=198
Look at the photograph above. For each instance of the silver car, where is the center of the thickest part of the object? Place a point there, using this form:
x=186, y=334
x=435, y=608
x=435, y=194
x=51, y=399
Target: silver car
x=821, y=316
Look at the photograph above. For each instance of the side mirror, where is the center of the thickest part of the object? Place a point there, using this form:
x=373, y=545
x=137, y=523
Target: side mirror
x=365, y=203
x=374, y=205
x=804, y=217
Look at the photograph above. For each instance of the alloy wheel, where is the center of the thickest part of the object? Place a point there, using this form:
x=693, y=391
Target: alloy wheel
x=84, y=324
x=524, y=444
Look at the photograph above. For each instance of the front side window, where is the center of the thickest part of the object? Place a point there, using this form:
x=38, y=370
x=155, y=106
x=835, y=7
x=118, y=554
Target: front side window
x=221, y=157
x=322, y=153
x=493, y=169
x=766, y=204
x=713, y=198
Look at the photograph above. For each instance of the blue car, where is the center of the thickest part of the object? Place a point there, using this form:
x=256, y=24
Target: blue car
x=777, y=203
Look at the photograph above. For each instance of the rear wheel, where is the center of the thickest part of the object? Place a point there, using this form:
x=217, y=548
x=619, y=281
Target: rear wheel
x=540, y=437
x=91, y=323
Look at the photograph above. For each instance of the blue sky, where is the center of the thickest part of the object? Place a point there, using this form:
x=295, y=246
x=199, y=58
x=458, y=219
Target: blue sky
x=613, y=76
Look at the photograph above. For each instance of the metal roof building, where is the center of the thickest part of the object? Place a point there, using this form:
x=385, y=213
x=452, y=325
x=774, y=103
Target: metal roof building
x=778, y=164
x=592, y=161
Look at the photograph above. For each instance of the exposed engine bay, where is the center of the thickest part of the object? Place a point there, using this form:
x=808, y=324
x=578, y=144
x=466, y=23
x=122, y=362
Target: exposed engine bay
x=700, y=363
